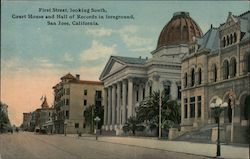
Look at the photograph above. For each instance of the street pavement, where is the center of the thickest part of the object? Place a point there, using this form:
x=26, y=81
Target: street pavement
x=26, y=145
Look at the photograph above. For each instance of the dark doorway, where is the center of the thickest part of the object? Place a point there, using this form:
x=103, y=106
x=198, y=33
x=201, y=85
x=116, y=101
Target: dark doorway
x=229, y=111
x=247, y=108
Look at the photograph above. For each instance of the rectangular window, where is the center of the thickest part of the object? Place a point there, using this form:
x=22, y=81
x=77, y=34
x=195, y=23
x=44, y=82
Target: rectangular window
x=185, y=108
x=98, y=94
x=143, y=93
x=98, y=103
x=67, y=101
x=137, y=95
x=192, y=107
x=179, y=92
x=84, y=125
x=67, y=114
x=85, y=102
x=199, y=106
x=76, y=125
x=85, y=92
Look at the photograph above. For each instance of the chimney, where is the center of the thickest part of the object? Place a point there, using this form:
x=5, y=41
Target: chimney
x=211, y=26
x=77, y=76
x=229, y=13
x=146, y=58
x=140, y=57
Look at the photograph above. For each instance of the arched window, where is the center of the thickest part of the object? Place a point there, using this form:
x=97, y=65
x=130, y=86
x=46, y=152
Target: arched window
x=227, y=40
x=224, y=42
x=232, y=67
x=192, y=77
x=231, y=39
x=199, y=76
x=225, y=69
x=185, y=80
x=235, y=37
x=214, y=73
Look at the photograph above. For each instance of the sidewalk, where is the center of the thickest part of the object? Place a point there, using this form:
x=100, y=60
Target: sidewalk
x=208, y=150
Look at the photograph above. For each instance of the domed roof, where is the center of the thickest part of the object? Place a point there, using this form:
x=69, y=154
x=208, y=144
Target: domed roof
x=180, y=30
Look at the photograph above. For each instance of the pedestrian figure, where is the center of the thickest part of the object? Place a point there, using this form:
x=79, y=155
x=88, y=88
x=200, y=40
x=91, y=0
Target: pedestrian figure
x=17, y=130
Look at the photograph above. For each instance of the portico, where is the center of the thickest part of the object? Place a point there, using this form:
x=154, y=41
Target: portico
x=120, y=99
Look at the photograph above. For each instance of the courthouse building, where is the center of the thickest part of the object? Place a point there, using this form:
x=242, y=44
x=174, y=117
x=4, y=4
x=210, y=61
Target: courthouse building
x=71, y=97
x=128, y=80
x=216, y=65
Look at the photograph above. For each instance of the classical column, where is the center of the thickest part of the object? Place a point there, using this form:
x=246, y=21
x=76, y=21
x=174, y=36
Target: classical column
x=140, y=93
x=105, y=106
x=109, y=105
x=113, y=105
x=130, y=97
x=155, y=83
x=173, y=90
x=147, y=88
x=118, y=103
x=124, y=101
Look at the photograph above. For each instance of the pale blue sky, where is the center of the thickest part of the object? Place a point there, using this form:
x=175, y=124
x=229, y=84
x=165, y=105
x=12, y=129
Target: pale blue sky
x=32, y=50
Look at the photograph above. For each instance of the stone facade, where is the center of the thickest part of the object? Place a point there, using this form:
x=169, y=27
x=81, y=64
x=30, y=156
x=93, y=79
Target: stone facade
x=26, y=121
x=72, y=96
x=217, y=63
x=128, y=80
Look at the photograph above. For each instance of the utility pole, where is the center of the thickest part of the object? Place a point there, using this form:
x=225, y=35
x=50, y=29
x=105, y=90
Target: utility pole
x=160, y=104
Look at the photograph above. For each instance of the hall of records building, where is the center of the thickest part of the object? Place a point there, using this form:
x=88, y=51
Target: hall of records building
x=218, y=66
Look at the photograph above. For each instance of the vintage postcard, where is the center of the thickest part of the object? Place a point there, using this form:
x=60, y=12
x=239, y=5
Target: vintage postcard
x=125, y=79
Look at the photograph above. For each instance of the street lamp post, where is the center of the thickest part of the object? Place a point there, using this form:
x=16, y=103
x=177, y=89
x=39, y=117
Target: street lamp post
x=160, y=104
x=97, y=119
x=232, y=104
x=65, y=126
x=218, y=108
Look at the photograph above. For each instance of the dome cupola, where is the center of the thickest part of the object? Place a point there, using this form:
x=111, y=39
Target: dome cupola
x=181, y=29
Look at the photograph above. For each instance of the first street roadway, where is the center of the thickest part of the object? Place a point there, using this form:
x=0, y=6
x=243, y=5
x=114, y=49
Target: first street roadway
x=26, y=145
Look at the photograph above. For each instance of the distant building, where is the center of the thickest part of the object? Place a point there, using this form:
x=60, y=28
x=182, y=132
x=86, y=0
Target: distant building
x=26, y=121
x=42, y=115
x=71, y=97
x=217, y=65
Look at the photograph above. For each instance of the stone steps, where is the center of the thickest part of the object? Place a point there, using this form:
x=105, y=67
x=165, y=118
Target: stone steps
x=203, y=134
x=108, y=132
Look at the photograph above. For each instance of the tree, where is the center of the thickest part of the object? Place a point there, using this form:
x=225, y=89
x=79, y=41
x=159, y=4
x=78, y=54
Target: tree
x=90, y=113
x=133, y=124
x=148, y=108
x=171, y=114
x=148, y=111
x=4, y=119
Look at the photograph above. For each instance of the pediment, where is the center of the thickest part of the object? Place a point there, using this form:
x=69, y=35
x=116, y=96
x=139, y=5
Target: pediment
x=112, y=66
